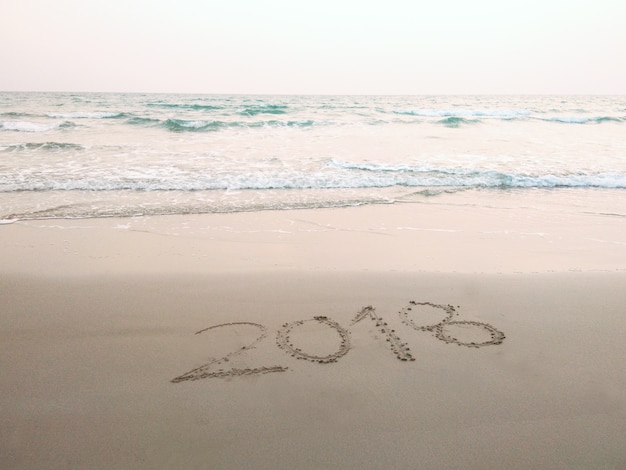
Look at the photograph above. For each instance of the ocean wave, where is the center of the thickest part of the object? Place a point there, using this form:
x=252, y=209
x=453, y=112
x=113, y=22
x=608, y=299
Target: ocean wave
x=254, y=110
x=466, y=113
x=582, y=119
x=278, y=123
x=87, y=115
x=17, y=114
x=184, y=125
x=454, y=121
x=186, y=106
x=602, y=119
x=142, y=121
x=432, y=192
x=374, y=167
x=42, y=146
x=407, y=175
x=359, y=177
x=472, y=115
x=28, y=126
x=608, y=180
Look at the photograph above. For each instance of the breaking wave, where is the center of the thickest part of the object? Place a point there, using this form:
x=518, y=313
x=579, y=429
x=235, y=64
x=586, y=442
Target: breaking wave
x=185, y=106
x=466, y=113
x=142, y=121
x=581, y=119
x=29, y=126
x=87, y=115
x=454, y=121
x=454, y=118
x=407, y=175
x=184, y=125
x=116, y=154
x=255, y=110
x=335, y=175
x=43, y=146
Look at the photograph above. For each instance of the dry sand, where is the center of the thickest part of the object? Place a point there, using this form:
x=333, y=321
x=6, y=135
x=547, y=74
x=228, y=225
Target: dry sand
x=495, y=339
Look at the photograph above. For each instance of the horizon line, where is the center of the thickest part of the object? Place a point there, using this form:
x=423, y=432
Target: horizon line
x=318, y=94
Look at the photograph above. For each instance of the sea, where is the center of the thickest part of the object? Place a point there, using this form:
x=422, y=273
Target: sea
x=86, y=155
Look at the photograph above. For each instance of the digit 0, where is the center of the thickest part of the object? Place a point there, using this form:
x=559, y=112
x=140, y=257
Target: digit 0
x=284, y=341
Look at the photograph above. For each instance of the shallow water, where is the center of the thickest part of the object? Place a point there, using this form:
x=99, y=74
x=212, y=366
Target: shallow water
x=69, y=155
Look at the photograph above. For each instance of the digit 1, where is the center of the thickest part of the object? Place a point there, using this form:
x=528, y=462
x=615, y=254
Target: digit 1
x=400, y=349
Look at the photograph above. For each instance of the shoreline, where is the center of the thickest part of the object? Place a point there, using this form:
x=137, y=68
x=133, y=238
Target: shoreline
x=528, y=232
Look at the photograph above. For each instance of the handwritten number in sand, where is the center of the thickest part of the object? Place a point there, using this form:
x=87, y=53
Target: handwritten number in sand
x=473, y=333
x=463, y=333
x=400, y=349
x=284, y=341
x=207, y=370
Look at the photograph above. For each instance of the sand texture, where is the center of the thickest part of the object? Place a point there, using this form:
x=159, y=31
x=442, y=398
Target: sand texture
x=313, y=339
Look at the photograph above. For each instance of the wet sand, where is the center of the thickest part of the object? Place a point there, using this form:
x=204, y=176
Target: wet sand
x=372, y=337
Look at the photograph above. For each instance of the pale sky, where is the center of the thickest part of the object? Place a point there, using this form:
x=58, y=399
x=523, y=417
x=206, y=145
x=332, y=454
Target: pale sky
x=314, y=47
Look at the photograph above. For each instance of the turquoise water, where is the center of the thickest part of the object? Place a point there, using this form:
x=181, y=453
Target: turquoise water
x=73, y=155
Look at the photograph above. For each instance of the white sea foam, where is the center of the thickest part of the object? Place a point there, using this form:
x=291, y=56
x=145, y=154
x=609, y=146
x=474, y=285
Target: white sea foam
x=85, y=115
x=356, y=177
x=28, y=126
x=582, y=119
x=466, y=113
x=184, y=153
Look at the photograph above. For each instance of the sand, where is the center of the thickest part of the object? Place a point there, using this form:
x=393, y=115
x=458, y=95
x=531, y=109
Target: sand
x=405, y=336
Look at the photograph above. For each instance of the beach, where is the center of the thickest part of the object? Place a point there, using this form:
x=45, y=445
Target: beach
x=464, y=332
x=312, y=236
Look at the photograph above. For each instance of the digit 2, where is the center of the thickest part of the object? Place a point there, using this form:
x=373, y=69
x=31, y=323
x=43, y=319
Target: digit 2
x=207, y=370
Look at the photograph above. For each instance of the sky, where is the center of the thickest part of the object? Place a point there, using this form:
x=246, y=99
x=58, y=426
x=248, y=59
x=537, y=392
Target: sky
x=314, y=46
